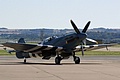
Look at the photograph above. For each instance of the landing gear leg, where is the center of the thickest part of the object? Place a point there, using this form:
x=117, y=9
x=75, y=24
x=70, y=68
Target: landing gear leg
x=76, y=59
x=58, y=60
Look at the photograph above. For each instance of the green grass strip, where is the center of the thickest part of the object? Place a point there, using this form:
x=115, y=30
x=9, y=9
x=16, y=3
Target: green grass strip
x=3, y=52
x=100, y=53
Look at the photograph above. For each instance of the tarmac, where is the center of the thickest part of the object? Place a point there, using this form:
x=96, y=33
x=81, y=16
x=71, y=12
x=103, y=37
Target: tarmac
x=91, y=68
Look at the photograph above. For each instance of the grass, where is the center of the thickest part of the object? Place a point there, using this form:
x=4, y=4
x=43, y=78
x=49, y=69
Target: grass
x=116, y=45
x=100, y=53
x=3, y=52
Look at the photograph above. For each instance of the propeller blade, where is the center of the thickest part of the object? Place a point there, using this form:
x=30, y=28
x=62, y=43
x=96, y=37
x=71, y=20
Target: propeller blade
x=82, y=49
x=84, y=41
x=86, y=27
x=92, y=41
x=75, y=27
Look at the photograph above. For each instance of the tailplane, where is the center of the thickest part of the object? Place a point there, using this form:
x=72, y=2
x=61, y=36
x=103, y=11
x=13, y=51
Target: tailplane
x=21, y=40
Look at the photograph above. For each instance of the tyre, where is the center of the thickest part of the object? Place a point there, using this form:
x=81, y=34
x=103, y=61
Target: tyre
x=57, y=60
x=77, y=60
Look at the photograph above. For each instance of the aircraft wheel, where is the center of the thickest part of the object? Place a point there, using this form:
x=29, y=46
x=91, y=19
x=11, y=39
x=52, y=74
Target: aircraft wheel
x=24, y=61
x=57, y=60
x=77, y=60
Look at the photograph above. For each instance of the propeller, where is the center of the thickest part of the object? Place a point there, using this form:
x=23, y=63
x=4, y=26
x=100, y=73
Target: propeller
x=82, y=49
x=75, y=27
x=78, y=32
x=84, y=41
x=86, y=27
x=107, y=48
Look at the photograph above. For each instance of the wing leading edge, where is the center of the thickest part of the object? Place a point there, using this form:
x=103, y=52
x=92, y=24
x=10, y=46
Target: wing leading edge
x=32, y=48
x=92, y=47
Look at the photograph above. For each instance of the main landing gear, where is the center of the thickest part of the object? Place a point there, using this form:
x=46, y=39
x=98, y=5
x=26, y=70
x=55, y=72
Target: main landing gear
x=76, y=60
x=58, y=60
x=24, y=60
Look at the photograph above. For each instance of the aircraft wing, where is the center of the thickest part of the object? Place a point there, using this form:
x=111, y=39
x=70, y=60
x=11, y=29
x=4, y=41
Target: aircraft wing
x=92, y=47
x=32, y=48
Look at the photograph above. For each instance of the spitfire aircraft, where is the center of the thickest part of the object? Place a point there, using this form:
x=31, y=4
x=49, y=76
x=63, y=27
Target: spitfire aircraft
x=59, y=47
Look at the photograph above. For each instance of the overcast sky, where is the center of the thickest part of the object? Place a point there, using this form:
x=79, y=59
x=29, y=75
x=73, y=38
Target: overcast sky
x=32, y=14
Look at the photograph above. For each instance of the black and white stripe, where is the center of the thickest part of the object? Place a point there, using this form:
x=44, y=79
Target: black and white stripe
x=38, y=49
x=32, y=55
x=92, y=47
x=33, y=50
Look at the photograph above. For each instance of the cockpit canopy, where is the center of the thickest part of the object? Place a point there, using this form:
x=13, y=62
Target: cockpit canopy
x=49, y=39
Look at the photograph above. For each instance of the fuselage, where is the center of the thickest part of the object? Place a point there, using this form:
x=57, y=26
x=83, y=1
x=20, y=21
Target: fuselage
x=67, y=42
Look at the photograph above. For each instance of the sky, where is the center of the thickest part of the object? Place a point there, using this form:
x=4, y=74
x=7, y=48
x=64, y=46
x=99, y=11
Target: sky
x=56, y=14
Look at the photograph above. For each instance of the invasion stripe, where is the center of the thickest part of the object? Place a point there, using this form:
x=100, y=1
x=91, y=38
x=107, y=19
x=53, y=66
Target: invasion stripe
x=40, y=55
x=37, y=55
x=34, y=55
x=59, y=48
x=54, y=48
x=30, y=54
x=91, y=46
x=48, y=47
x=43, y=47
x=37, y=52
x=32, y=49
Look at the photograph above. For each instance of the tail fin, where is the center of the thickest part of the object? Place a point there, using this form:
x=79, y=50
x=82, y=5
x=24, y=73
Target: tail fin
x=21, y=40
